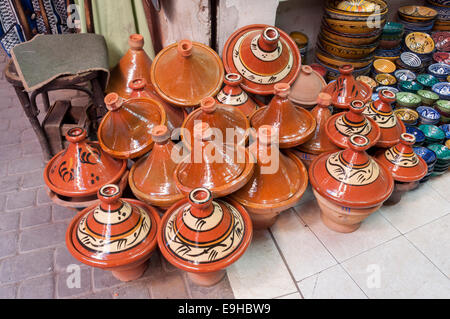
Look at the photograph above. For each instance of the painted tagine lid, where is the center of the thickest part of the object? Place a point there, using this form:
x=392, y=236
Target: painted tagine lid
x=346, y=89
x=296, y=125
x=124, y=131
x=307, y=87
x=82, y=168
x=233, y=95
x=151, y=177
x=199, y=234
x=114, y=233
x=351, y=177
x=402, y=161
x=185, y=72
x=263, y=55
x=341, y=126
x=381, y=112
x=134, y=64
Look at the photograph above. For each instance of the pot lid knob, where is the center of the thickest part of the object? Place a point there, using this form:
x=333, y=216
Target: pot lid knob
x=282, y=90
x=138, y=84
x=109, y=196
x=307, y=69
x=200, y=199
x=387, y=96
x=208, y=104
x=76, y=134
x=357, y=106
x=136, y=41
x=233, y=79
x=358, y=143
x=113, y=101
x=324, y=99
x=160, y=134
x=270, y=37
x=346, y=69
x=185, y=48
x=407, y=139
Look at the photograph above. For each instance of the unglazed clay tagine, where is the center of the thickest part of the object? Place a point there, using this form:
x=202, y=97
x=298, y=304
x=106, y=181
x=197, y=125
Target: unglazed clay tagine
x=124, y=131
x=346, y=89
x=151, y=177
x=307, y=87
x=117, y=235
x=204, y=236
x=263, y=55
x=296, y=125
x=278, y=183
x=186, y=72
x=381, y=112
x=233, y=95
x=341, y=126
x=349, y=185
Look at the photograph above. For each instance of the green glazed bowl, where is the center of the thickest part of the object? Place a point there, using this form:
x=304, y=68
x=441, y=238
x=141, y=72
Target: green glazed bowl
x=393, y=28
x=408, y=99
x=433, y=134
x=442, y=152
x=427, y=80
x=443, y=106
x=428, y=97
x=410, y=86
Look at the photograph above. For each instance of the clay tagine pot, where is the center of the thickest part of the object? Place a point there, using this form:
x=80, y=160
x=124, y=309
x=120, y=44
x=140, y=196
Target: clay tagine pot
x=204, y=236
x=341, y=126
x=381, y=112
x=117, y=235
x=183, y=73
x=151, y=177
x=278, y=183
x=134, y=64
x=346, y=89
x=306, y=88
x=263, y=55
x=296, y=125
x=233, y=95
x=222, y=167
x=406, y=167
x=349, y=185
x=124, y=131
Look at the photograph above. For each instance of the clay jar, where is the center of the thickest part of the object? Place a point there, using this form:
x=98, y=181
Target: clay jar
x=406, y=167
x=117, y=235
x=124, y=131
x=233, y=95
x=296, y=125
x=306, y=88
x=151, y=177
x=381, y=112
x=349, y=185
x=278, y=183
x=341, y=126
x=203, y=237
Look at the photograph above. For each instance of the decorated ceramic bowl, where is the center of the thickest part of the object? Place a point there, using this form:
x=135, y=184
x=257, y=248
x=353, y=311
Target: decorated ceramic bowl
x=443, y=106
x=409, y=86
x=428, y=115
x=427, y=97
x=410, y=59
x=446, y=129
x=354, y=39
x=427, y=80
x=336, y=62
x=346, y=51
x=433, y=134
x=429, y=157
x=442, y=89
x=385, y=79
x=418, y=134
x=383, y=66
x=393, y=28
x=442, y=40
x=442, y=57
x=404, y=75
x=417, y=13
x=368, y=80
x=419, y=42
x=439, y=70
x=407, y=116
x=408, y=99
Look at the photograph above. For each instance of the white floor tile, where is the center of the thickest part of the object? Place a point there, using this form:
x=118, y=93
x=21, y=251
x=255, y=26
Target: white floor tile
x=291, y=296
x=440, y=184
x=402, y=270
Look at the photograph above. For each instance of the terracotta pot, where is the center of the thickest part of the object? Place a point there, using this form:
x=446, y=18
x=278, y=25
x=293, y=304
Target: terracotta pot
x=399, y=189
x=117, y=235
x=124, y=131
x=203, y=237
x=233, y=95
x=306, y=88
x=183, y=73
x=263, y=55
x=296, y=125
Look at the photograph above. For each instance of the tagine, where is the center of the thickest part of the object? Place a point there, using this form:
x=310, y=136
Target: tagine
x=233, y=95
x=307, y=87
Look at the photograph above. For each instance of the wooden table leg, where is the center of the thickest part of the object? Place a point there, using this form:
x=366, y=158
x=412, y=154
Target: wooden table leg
x=98, y=97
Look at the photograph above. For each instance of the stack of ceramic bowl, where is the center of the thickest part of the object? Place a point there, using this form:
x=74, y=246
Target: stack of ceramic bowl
x=410, y=61
x=443, y=107
x=443, y=158
x=301, y=40
x=433, y=134
x=428, y=115
x=442, y=21
x=429, y=157
x=417, y=18
x=389, y=47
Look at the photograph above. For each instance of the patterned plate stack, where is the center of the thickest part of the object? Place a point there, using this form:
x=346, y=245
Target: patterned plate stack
x=442, y=22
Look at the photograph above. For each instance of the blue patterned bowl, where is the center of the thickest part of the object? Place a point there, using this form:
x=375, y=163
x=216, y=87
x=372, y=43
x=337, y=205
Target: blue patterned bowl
x=428, y=115
x=405, y=75
x=420, y=137
x=439, y=70
x=442, y=89
x=429, y=157
x=446, y=129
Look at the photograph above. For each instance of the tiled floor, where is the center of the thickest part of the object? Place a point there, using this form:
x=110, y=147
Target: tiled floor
x=399, y=252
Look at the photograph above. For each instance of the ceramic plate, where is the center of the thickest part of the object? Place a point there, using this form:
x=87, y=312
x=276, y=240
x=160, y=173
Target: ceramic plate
x=411, y=59
x=441, y=40
x=405, y=75
x=419, y=42
x=418, y=12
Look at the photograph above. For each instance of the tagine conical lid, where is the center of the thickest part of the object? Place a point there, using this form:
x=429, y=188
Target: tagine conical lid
x=307, y=87
x=222, y=168
x=114, y=233
x=402, y=161
x=199, y=234
x=295, y=124
x=381, y=112
x=350, y=177
x=217, y=116
x=185, y=72
x=82, y=168
x=341, y=126
x=134, y=64
x=346, y=89
x=124, y=131
x=233, y=95
x=151, y=177
x=320, y=143
x=263, y=55
x=141, y=88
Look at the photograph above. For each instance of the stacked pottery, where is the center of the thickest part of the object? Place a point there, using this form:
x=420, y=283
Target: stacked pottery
x=408, y=116
x=442, y=21
x=390, y=41
x=301, y=40
x=417, y=18
x=410, y=61
x=428, y=115
x=443, y=158
x=440, y=71
x=421, y=44
x=429, y=157
x=443, y=107
x=306, y=88
x=433, y=134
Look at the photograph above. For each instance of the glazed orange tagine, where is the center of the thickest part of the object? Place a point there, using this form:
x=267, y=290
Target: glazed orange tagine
x=117, y=235
x=233, y=95
x=204, y=236
x=306, y=88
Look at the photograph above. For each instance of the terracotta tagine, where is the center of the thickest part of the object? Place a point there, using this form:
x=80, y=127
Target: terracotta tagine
x=117, y=235
x=307, y=87
x=406, y=167
x=296, y=125
x=278, y=183
x=349, y=185
x=124, y=131
x=222, y=168
x=204, y=236
x=151, y=177
x=346, y=89
x=263, y=55
x=134, y=64
x=183, y=73
x=341, y=126
x=381, y=112
x=233, y=95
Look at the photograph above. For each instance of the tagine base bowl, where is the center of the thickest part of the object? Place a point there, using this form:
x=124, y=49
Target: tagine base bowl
x=132, y=272
x=399, y=190
x=207, y=279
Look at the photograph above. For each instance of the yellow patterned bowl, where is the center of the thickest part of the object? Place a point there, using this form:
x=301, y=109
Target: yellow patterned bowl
x=384, y=66
x=355, y=10
x=414, y=13
x=336, y=62
x=419, y=42
x=347, y=51
x=353, y=27
x=368, y=80
x=385, y=79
